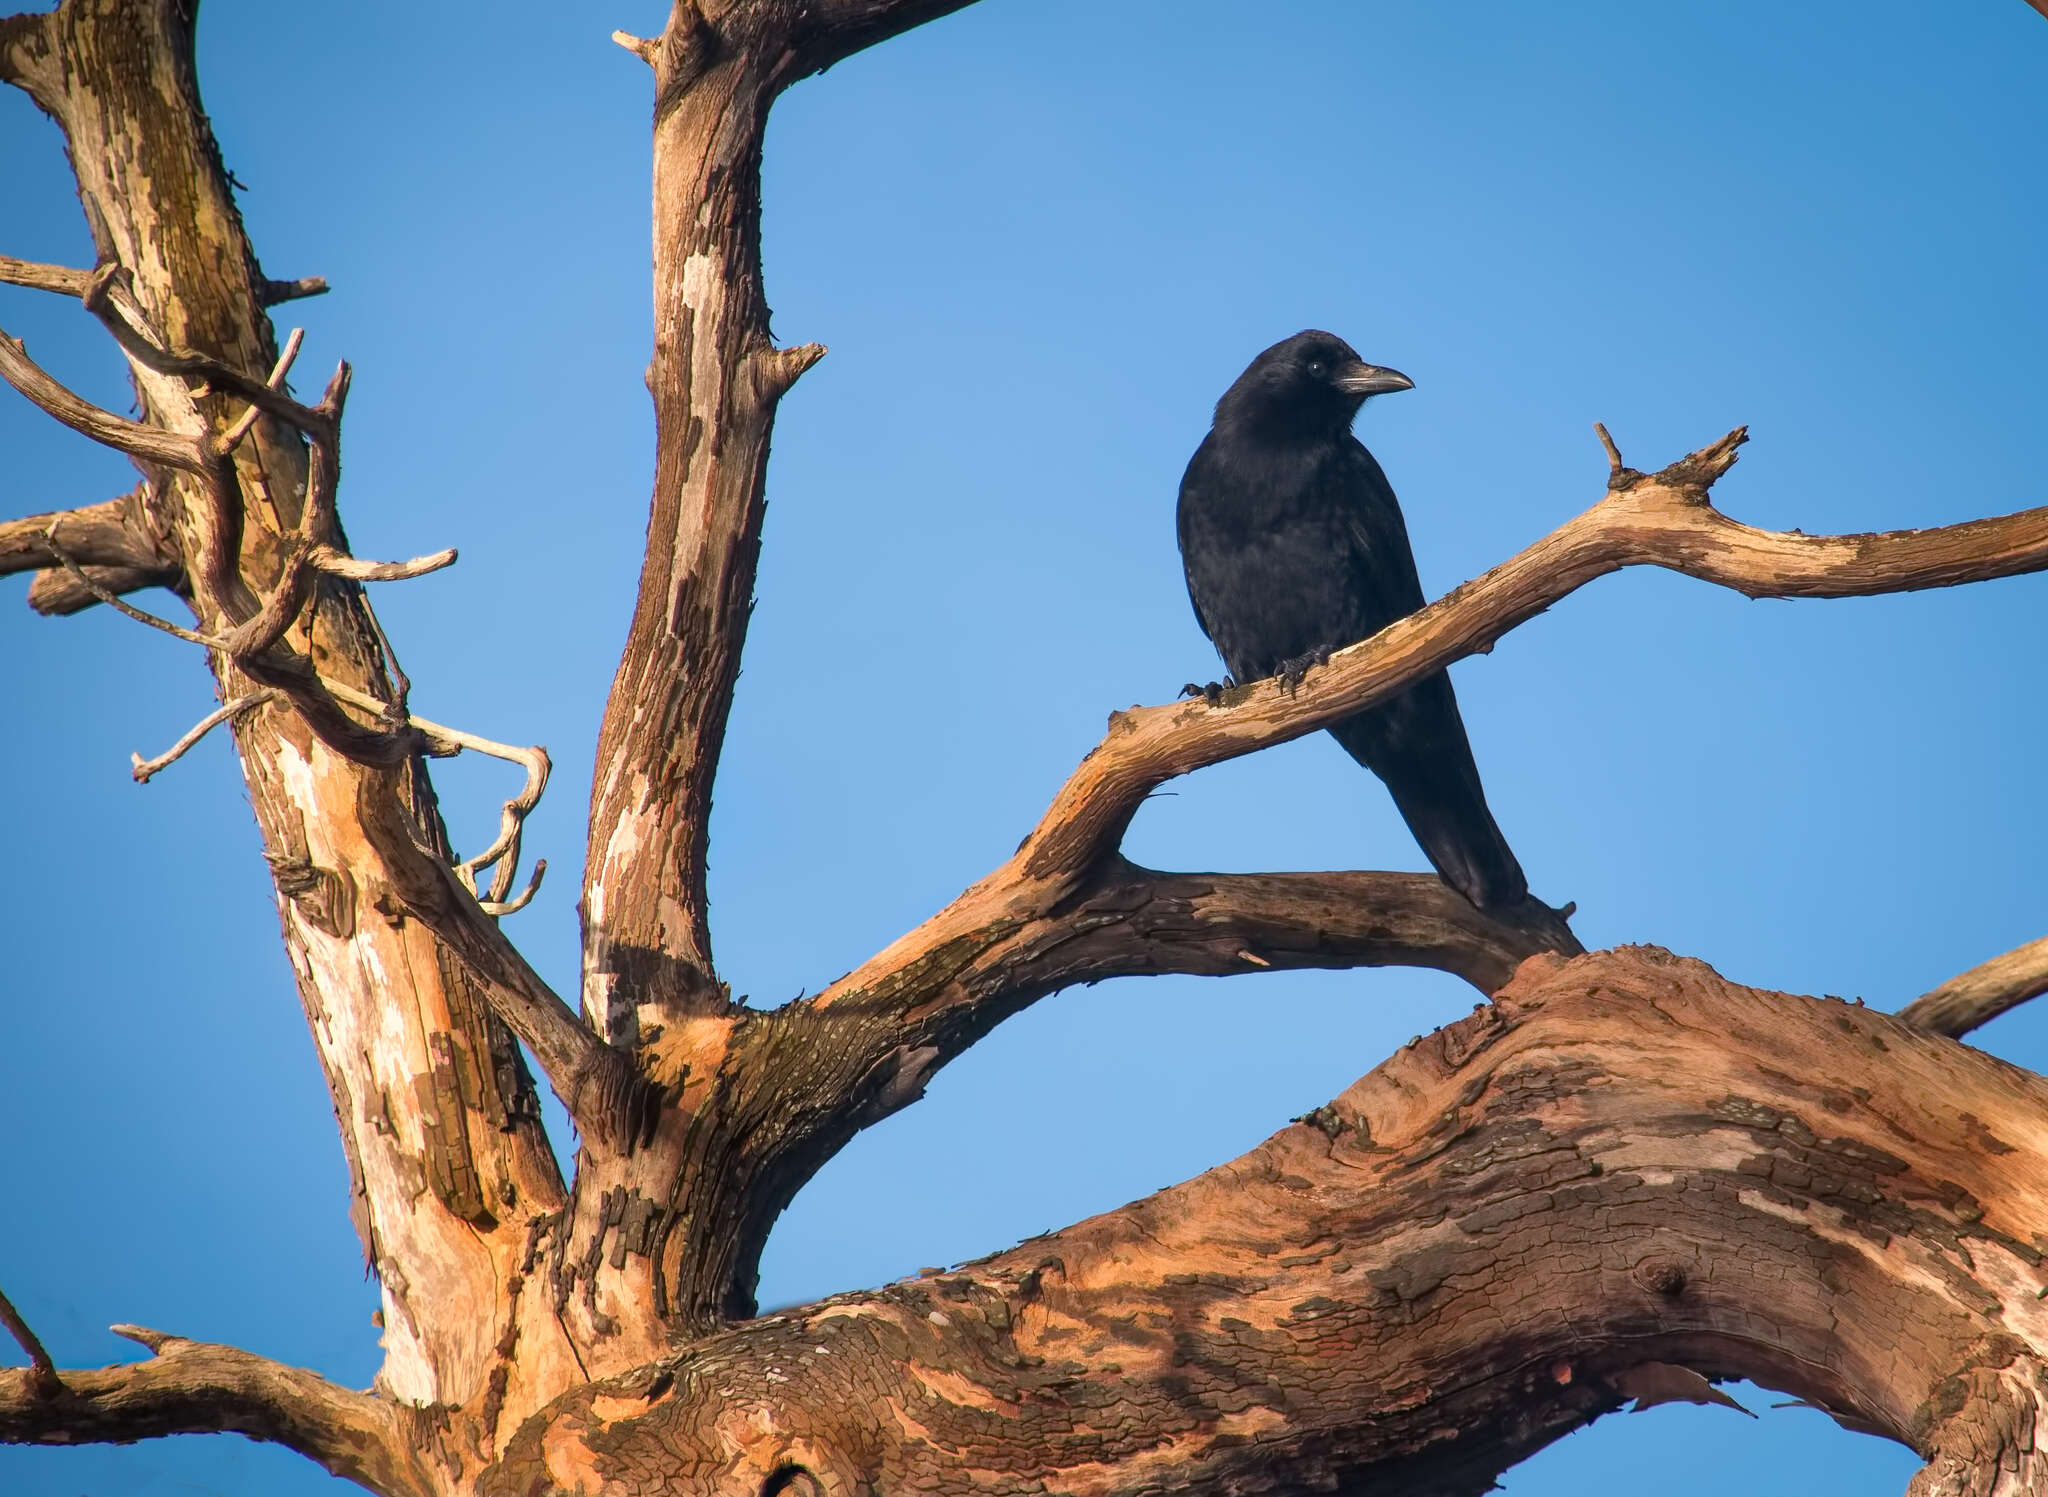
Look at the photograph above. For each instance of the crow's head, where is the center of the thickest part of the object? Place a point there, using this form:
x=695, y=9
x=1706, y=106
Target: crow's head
x=1313, y=381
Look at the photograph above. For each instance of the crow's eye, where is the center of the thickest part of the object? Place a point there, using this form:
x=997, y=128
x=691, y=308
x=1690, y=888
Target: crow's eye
x=1315, y=366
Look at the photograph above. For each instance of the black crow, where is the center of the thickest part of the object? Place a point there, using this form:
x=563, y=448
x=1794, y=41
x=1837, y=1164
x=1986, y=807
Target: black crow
x=1294, y=546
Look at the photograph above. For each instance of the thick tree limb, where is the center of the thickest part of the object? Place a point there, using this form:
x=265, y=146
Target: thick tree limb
x=193, y=1387
x=1624, y=1160
x=1134, y=922
x=716, y=378
x=25, y=56
x=1976, y=997
x=58, y=593
x=107, y=534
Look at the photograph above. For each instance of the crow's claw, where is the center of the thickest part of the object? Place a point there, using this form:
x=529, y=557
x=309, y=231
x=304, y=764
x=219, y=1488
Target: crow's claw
x=1212, y=693
x=1291, y=672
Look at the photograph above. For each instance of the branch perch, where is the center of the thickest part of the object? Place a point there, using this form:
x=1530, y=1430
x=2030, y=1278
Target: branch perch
x=1663, y=519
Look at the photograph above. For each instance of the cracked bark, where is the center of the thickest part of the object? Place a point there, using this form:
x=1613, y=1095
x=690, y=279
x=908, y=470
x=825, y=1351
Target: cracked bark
x=1623, y=1160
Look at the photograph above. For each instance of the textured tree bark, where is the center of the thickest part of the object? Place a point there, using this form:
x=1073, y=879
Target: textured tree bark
x=1623, y=1162
x=437, y=1114
x=1621, y=1176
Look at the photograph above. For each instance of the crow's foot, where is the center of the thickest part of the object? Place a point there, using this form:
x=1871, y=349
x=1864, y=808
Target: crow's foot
x=1291, y=672
x=1212, y=693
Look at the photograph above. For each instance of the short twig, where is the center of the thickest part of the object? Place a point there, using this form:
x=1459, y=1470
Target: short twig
x=644, y=48
x=61, y=279
x=270, y=293
x=42, y=1372
x=230, y=438
x=339, y=564
x=145, y=768
x=1614, y=462
x=142, y=1335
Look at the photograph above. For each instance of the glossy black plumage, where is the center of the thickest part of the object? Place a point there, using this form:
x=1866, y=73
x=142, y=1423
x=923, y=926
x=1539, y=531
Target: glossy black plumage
x=1294, y=546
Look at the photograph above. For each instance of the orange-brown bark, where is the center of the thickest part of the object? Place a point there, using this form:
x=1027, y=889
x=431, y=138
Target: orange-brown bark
x=1624, y=1160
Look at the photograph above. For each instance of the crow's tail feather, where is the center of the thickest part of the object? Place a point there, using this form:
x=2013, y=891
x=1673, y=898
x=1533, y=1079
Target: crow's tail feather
x=1436, y=788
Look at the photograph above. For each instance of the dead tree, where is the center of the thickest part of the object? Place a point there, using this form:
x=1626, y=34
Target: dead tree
x=1620, y=1177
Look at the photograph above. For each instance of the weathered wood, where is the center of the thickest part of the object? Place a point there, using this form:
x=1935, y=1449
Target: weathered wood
x=1623, y=1160
x=437, y=1114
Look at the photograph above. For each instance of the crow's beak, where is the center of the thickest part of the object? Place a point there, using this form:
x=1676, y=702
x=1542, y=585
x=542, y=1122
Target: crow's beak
x=1370, y=379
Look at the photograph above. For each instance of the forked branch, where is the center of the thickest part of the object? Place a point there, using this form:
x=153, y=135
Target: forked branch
x=1663, y=520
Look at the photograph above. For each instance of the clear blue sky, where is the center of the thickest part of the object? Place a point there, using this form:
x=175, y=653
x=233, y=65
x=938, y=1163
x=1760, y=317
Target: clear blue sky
x=1040, y=239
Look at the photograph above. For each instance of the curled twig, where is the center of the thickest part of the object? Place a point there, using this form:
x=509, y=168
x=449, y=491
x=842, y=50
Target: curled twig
x=514, y=906
x=444, y=742
x=146, y=768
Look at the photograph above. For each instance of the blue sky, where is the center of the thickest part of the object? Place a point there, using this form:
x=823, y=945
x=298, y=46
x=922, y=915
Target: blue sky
x=1040, y=239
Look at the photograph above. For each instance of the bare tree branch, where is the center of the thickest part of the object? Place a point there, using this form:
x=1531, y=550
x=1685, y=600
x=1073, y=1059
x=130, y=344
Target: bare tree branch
x=113, y=600
x=107, y=534
x=109, y=298
x=147, y=769
x=1133, y=922
x=139, y=440
x=55, y=593
x=1976, y=997
x=447, y=1158
x=337, y=564
x=25, y=59
x=833, y=30
x=193, y=1387
x=1656, y=520
x=271, y=293
x=43, y=1381
x=61, y=279
x=1663, y=520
